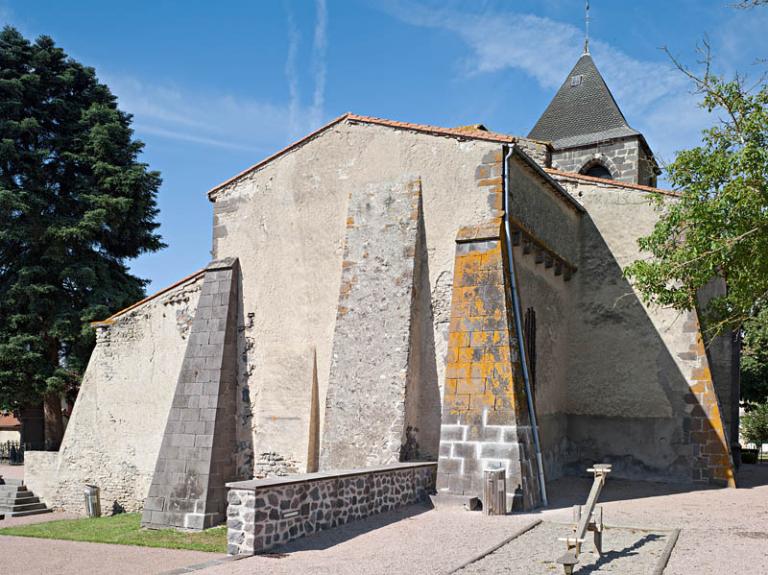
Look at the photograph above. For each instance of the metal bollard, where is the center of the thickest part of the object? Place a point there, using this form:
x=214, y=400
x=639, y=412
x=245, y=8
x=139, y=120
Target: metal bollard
x=92, y=501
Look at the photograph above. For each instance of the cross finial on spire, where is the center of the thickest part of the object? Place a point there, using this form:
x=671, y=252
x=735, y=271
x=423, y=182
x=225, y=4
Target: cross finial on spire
x=586, y=28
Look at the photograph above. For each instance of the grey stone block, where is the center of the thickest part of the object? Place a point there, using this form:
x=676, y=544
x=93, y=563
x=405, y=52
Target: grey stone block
x=464, y=450
x=207, y=414
x=182, y=440
x=204, y=441
x=479, y=433
x=154, y=503
x=186, y=455
x=205, y=301
x=174, y=466
x=451, y=433
x=200, y=467
x=510, y=435
x=449, y=466
x=499, y=451
x=190, y=414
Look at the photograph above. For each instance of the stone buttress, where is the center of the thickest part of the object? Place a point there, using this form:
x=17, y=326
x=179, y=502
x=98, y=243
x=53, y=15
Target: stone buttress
x=365, y=411
x=703, y=424
x=485, y=422
x=196, y=456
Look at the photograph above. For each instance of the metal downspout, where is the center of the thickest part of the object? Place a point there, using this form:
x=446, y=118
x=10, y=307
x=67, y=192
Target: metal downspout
x=519, y=328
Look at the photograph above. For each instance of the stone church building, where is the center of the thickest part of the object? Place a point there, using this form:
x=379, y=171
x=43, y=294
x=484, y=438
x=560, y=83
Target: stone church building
x=382, y=291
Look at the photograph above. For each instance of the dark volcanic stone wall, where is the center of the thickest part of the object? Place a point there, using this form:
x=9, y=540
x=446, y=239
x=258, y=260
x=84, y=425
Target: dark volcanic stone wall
x=265, y=513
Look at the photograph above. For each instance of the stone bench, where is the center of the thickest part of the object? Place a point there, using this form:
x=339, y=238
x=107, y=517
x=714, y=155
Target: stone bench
x=263, y=513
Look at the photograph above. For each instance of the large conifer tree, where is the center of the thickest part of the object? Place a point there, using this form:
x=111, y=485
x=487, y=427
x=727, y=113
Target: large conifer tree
x=75, y=204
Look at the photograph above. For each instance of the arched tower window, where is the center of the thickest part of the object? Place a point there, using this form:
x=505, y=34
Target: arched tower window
x=596, y=169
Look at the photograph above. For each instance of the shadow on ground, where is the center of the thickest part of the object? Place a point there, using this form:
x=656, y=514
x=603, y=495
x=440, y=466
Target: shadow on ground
x=331, y=537
x=569, y=491
x=628, y=551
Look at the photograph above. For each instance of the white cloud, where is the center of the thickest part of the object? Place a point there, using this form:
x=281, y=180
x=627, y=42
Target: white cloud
x=655, y=98
x=315, y=111
x=224, y=121
x=319, y=47
x=291, y=72
x=210, y=119
x=742, y=43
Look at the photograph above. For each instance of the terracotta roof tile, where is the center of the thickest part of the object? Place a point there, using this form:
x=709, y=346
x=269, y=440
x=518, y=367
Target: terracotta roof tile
x=111, y=319
x=476, y=132
x=8, y=421
x=613, y=183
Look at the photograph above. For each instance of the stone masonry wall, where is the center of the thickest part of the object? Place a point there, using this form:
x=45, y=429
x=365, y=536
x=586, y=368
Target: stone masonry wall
x=641, y=394
x=712, y=457
x=114, y=434
x=266, y=513
x=373, y=330
x=625, y=160
x=485, y=422
x=724, y=354
x=286, y=222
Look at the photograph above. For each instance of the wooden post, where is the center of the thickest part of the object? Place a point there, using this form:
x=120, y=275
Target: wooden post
x=494, y=492
x=587, y=518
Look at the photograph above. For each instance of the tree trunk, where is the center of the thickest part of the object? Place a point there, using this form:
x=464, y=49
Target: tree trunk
x=32, y=427
x=54, y=423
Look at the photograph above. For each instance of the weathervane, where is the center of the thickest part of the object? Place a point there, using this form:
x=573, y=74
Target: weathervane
x=586, y=28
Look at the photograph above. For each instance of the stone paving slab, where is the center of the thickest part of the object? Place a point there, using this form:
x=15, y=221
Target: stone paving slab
x=626, y=551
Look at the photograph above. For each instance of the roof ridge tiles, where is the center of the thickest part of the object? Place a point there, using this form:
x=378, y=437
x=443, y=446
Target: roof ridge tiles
x=463, y=133
x=613, y=183
x=111, y=319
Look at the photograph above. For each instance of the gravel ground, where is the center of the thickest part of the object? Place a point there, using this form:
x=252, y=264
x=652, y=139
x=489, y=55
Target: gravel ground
x=724, y=531
x=413, y=540
x=625, y=552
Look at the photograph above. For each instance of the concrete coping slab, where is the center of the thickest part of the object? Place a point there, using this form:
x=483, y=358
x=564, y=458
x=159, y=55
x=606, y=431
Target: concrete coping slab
x=254, y=484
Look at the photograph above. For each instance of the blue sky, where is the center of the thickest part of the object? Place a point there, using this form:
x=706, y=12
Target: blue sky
x=216, y=86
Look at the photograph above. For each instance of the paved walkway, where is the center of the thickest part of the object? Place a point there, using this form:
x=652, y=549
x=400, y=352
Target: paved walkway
x=724, y=531
x=28, y=556
x=11, y=471
x=24, y=555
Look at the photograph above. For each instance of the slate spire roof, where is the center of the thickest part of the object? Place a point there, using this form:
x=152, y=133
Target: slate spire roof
x=583, y=111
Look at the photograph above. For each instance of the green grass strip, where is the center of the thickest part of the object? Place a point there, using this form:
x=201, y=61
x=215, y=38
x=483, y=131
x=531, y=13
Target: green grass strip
x=123, y=529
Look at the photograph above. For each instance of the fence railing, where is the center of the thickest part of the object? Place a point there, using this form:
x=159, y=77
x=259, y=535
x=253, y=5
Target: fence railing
x=11, y=452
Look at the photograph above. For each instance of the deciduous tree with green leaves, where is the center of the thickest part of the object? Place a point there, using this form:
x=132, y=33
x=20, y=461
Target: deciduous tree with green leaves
x=754, y=361
x=75, y=204
x=718, y=228
x=754, y=425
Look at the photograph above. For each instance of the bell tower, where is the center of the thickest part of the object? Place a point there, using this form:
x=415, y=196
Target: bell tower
x=588, y=132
